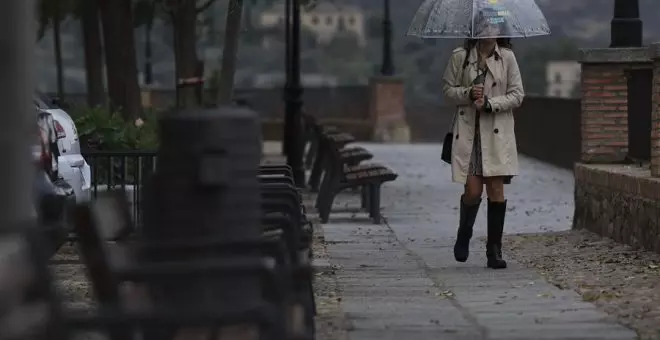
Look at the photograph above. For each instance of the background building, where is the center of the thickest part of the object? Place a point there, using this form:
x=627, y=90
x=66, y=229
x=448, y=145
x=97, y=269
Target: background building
x=325, y=20
x=563, y=78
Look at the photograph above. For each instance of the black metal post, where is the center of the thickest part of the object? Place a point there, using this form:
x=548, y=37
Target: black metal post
x=16, y=89
x=626, y=26
x=287, y=69
x=293, y=98
x=387, y=68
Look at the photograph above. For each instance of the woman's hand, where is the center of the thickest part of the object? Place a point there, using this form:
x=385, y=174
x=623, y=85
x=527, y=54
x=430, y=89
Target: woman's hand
x=479, y=103
x=476, y=92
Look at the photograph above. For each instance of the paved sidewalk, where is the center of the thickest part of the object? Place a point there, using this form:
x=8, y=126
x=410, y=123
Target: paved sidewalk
x=400, y=281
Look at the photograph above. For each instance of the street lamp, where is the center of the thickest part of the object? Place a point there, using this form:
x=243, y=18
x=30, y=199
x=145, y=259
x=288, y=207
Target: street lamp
x=626, y=26
x=293, y=94
x=387, y=68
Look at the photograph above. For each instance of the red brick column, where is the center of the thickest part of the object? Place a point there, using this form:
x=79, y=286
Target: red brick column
x=604, y=85
x=604, y=113
x=387, y=110
x=654, y=53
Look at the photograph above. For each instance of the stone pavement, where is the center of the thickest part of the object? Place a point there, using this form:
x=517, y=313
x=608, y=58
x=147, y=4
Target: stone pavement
x=400, y=281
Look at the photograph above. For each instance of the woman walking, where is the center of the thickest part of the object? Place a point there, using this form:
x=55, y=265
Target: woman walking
x=483, y=80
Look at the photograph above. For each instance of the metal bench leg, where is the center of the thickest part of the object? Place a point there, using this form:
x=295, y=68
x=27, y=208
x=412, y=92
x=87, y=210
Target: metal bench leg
x=374, y=201
x=330, y=188
x=325, y=205
x=311, y=153
x=317, y=169
x=323, y=189
x=364, y=200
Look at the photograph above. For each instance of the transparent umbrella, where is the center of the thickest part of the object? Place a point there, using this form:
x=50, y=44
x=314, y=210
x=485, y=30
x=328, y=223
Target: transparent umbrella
x=478, y=19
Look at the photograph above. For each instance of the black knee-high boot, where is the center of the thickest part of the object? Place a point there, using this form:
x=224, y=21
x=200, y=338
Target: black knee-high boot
x=496, y=213
x=465, y=227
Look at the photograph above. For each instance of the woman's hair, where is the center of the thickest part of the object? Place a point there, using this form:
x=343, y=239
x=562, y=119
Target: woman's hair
x=501, y=42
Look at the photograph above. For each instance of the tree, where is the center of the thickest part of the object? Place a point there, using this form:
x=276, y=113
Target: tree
x=52, y=13
x=183, y=18
x=121, y=63
x=229, y=52
x=88, y=12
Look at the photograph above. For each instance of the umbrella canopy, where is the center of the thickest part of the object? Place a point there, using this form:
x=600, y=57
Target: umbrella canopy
x=478, y=19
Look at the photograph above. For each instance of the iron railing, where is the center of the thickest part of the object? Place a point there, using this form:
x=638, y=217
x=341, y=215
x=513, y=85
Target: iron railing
x=128, y=170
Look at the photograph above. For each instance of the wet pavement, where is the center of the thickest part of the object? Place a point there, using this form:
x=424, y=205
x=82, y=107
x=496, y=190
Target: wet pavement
x=399, y=279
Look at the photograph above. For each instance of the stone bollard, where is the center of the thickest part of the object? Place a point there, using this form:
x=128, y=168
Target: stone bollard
x=387, y=110
x=205, y=188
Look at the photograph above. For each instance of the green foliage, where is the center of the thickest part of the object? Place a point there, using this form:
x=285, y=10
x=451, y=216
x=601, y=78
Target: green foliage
x=106, y=130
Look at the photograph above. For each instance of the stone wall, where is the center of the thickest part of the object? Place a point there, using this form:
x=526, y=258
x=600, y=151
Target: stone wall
x=604, y=86
x=618, y=201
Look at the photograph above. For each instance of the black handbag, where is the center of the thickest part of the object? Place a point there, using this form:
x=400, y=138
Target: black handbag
x=447, y=143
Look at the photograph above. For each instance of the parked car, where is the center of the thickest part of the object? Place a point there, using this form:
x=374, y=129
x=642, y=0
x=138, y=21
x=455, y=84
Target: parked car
x=53, y=196
x=71, y=165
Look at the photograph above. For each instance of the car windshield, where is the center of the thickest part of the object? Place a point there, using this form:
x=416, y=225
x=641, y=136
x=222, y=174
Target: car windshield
x=42, y=101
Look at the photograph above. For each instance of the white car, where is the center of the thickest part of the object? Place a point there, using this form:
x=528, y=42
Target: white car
x=71, y=165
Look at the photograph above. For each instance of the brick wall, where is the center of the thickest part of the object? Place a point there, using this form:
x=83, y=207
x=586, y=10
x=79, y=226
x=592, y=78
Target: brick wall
x=604, y=123
x=604, y=117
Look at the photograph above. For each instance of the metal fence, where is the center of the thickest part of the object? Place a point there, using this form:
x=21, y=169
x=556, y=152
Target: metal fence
x=128, y=170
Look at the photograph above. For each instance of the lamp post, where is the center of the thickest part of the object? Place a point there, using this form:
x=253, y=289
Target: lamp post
x=287, y=66
x=626, y=26
x=387, y=68
x=148, y=71
x=293, y=94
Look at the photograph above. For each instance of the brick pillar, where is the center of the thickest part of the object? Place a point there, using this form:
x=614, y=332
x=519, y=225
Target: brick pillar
x=604, y=119
x=387, y=110
x=654, y=53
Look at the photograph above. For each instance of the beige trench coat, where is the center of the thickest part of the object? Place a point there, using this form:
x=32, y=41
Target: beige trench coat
x=504, y=89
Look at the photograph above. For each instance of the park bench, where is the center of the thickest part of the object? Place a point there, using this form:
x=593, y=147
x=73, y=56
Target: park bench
x=341, y=167
x=316, y=155
x=339, y=175
x=109, y=264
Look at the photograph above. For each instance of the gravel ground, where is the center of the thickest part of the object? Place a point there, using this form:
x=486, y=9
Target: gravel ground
x=618, y=279
x=330, y=322
x=73, y=286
